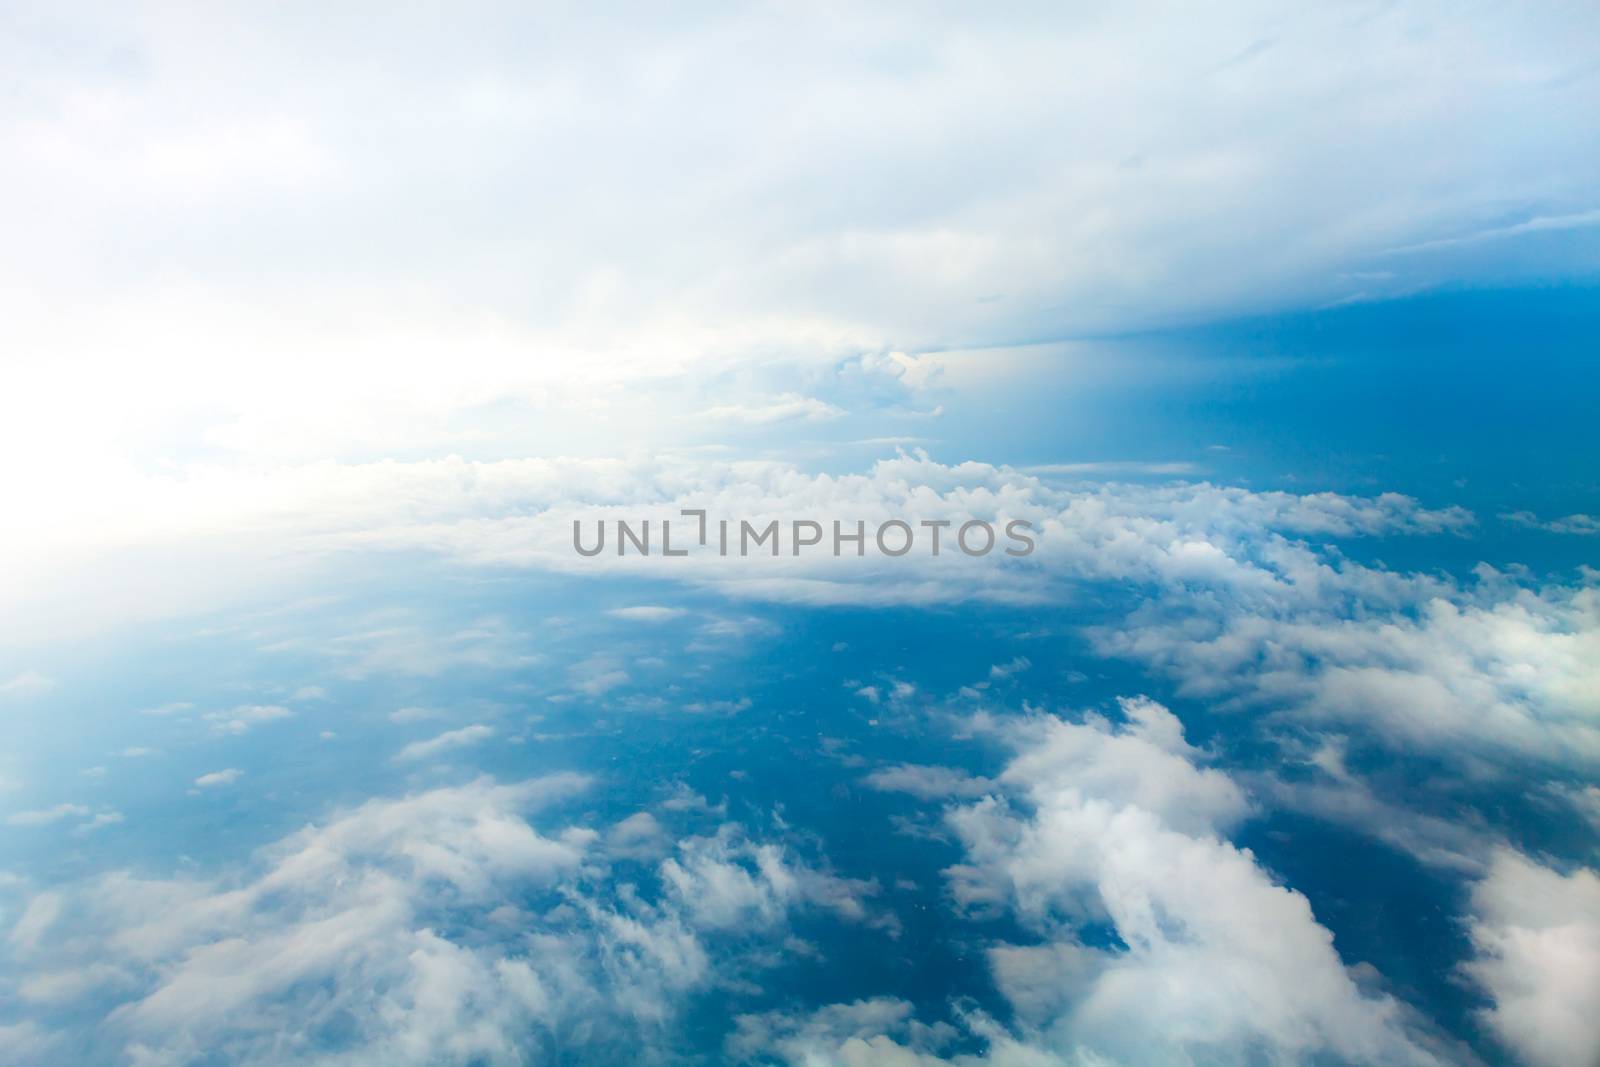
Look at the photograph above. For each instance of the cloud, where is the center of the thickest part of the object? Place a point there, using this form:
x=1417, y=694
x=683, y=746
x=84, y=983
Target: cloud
x=647, y=613
x=1579, y=524
x=1536, y=934
x=450, y=739
x=240, y=719
x=520, y=513
x=719, y=707
x=101, y=819
x=929, y=783
x=1212, y=960
x=1115, y=467
x=727, y=882
x=46, y=816
x=1537, y=224
x=36, y=920
x=26, y=684
x=1497, y=670
x=167, y=709
x=1158, y=188
x=216, y=778
x=598, y=675
x=818, y=274
x=1228, y=537
x=879, y=1030
x=776, y=409
x=440, y=927
x=1005, y=670
x=398, y=643
x=639, y=836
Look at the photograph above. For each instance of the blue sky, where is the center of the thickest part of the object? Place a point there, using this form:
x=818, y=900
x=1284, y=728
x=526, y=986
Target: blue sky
x=324, y=747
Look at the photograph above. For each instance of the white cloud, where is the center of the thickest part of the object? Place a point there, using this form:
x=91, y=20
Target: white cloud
x=1537, y=937
x=881, y=1031
x=1006, y=670
x=764, y=411
x=167, y=709
x=1129, y=195
x=100, y=819
x=727, y=882
x=442, y=927
x=445, y=742
x=639, y=836
x=812, y=276
x=647, y=613
x=240, y=719
x=36, y=920
x=520, y=513
x=1498, y=670
x=1115, y=467
x=46, y=816
x=598, y=675
x=1213, y=962
x=929, y=783
x=1580, y=524
x=215, y=778
x=26, y=684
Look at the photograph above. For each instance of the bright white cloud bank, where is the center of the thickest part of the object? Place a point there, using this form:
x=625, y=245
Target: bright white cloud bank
x=276, y=232
x=1537, y=933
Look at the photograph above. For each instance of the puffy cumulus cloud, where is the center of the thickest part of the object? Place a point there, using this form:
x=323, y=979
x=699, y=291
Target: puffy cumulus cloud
x=1115, y=826
x=1537, y=937
x=882, y=1030
x=438, y=928
x=1144, y=762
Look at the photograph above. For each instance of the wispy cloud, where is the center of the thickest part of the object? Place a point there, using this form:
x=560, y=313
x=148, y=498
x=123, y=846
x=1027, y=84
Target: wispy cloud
x=46, y=816
x=450, y=739
x=216, y=778
x=240, y=719
x=26, y=684
x=647, y=613
x=1579, y=524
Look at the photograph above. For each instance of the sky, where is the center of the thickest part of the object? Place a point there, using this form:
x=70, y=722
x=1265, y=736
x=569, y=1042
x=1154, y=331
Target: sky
x=321, y=328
